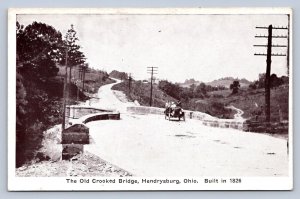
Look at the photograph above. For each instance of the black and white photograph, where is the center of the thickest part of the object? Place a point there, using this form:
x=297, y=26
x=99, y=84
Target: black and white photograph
x=150, y=99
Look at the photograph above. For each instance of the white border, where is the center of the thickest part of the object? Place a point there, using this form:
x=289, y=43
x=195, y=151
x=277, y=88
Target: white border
x=59, y=184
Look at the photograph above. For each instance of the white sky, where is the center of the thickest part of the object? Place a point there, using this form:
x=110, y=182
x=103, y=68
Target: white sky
x=203, y=47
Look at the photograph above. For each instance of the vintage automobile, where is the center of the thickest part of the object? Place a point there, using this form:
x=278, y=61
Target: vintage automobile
x=176, y=112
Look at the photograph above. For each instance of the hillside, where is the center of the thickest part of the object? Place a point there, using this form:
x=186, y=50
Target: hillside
x=172, y=92
x=94, y=79
x=118, y=75
x=227, y=81
x=217, y=101
x=252, y=103
x=141, y=92
x=188, y=82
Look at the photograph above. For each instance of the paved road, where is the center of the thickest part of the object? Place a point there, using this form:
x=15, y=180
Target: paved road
x=107, y=98
x=239, y=113
x=149, y=145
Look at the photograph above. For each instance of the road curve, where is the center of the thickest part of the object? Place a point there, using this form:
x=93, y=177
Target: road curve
x=239, y=113
x=107, y=98
x=149, y=145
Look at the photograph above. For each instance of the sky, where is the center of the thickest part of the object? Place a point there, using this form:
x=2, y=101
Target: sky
x=203, y=47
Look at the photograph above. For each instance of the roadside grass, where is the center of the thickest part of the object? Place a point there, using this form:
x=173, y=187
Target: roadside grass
x=252, y=102
x=220, y=93
x=94, y=79
x=141, y=92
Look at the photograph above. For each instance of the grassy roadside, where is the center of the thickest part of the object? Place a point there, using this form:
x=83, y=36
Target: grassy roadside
x=141, y=92
x=94, y=79
x=250, y=101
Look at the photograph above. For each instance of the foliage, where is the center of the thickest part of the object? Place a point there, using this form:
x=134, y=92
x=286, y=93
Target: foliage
x=118, y=75
x=43, y=40
x=201, y=89
x=173, y=90
x=274, y=81
x=168, y=91
x=75, y=56
x=37, y=51
x=40, y=49
x=140, y=91
x=235, y=86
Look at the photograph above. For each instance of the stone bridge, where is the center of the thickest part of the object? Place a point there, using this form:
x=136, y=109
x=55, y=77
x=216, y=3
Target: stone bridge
x=76, y=135
x=80, y=115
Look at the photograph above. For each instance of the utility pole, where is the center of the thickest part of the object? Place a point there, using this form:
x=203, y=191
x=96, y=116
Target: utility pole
x=129, y=82
x=82, y=71
x=269, y=55
x=65, y=92
x=151, y=70
x=77, y=83
x=83, y=78
x=288, y=46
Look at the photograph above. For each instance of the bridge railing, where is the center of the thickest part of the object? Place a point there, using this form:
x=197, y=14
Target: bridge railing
x=206, y=119
x=77, y=133
x=77, y=111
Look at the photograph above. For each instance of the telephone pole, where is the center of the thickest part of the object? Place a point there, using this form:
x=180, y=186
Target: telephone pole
x=129, y=82
x=65, y=92
x=151, y=70
x=82, y=71
x=77, y=82
x=269, y=55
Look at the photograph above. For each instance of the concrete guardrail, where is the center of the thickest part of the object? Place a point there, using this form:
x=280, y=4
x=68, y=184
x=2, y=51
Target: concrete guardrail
x=206, y=119
x=76, y=135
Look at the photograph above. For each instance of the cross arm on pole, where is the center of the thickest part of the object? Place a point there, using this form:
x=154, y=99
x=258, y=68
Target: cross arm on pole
x=263, y=54
x=263, y=45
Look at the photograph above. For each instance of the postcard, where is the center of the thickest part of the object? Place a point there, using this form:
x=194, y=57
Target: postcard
x=150, y=99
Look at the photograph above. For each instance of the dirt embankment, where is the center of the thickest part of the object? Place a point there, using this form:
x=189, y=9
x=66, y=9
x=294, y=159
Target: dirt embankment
x=49, y=164
x=83, y=165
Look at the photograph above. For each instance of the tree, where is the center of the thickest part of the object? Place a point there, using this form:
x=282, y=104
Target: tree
x=173, y=90
x=21, y=101
x=201, y=90
x=235, y=86
x=38, y=50
x=75, y=56
x=119, y=75
x=275, y=81
x=261, y=80
x=191, y=90
x=252, y=86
